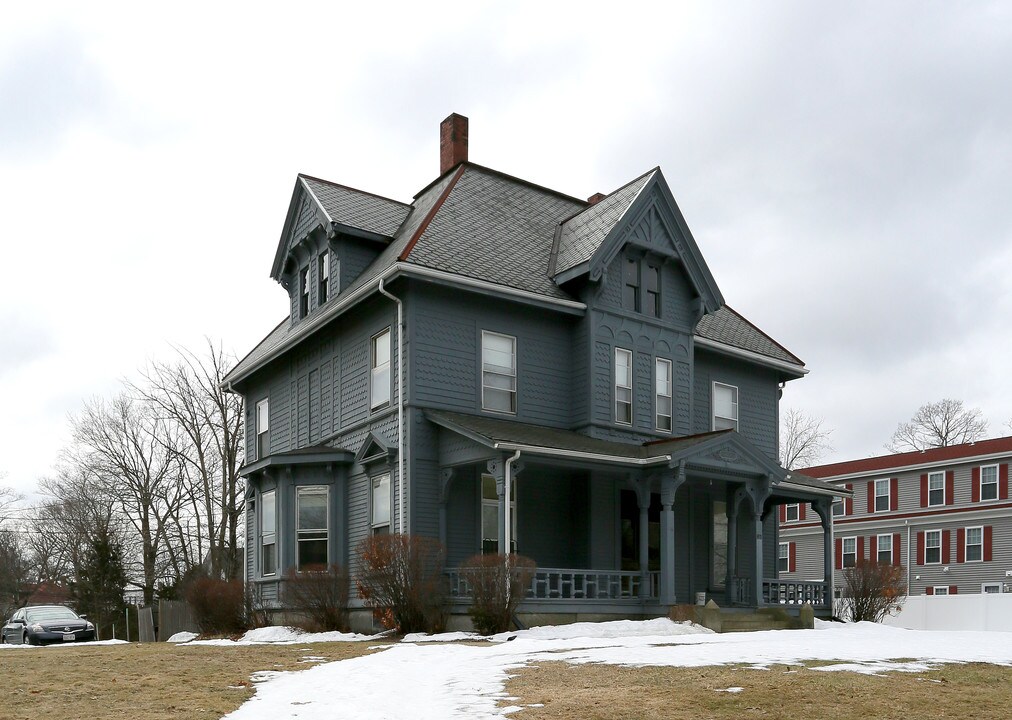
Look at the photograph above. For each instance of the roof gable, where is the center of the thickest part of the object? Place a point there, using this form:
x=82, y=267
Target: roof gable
x=644, y=214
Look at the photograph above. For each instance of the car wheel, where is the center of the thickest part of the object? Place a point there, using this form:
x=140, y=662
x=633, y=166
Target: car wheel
x=29, y=640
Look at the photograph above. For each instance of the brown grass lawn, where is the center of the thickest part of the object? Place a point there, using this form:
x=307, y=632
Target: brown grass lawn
x=159, y=680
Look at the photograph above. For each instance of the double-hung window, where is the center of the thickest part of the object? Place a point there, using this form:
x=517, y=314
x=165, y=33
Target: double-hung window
x=933, y=547
x=380, y=370
x=490, y=515
x=498, y=372
x=631, y=285
x=662, y=371
x=884, y=549
x=623, y=386
x=263, y=429
x=784, y=557
x=303, y=292
x=936, y=488
x=652, y=297
x=380, y=508
x=312, y=526
x=974, y=544
x=268, y=534
x=839, y=507
x=323, y=273
x=792, y=512
x=989, y=482
x=882, y=495
x=725, y=407
x=850, y=552
x=940, y=590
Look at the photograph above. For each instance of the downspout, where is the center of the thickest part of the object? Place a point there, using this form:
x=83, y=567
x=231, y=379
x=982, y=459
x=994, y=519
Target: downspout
x=907, y=523
x=506, y=510
x=401, y=479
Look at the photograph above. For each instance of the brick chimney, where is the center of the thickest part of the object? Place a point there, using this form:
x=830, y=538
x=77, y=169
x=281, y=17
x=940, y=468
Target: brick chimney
x=452, y=142
x=596, y=198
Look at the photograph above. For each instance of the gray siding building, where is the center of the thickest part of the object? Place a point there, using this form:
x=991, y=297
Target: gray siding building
x=497, y=364
x=944, y=514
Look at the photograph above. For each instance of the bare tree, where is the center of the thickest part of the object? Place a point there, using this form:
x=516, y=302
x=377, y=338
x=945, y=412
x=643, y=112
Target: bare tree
x=938, y=424
x=206, y=437
x=803, y=440
x=15, y=573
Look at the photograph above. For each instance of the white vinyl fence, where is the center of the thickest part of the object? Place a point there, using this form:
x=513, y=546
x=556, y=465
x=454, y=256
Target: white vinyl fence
x=981, y=611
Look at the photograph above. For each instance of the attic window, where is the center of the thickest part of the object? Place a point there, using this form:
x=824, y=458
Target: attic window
x=652, y=280
x=631, y=285
x=323, y=272
x=303, y=292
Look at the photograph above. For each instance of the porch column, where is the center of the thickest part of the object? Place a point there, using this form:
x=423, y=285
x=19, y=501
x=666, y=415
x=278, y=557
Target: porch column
x=825, y=510
x=733, y=508
x=496, y=470
x=670, y=482
x=760, y=491
x=642, y=489
x=445, y=476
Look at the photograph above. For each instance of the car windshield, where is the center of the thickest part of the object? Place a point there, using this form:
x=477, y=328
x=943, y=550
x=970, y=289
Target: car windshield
x=49, y=613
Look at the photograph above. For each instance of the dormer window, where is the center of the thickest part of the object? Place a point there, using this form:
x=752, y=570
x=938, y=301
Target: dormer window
x=323, y=272
x=641, y=287
x=631, y=285
x=652, y=280
x=303, y=292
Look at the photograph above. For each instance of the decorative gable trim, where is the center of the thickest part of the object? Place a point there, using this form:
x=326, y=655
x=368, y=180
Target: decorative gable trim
x=375, y=450
x=302, y=196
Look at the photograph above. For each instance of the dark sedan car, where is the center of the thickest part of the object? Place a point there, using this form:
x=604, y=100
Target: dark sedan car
x=41, y=624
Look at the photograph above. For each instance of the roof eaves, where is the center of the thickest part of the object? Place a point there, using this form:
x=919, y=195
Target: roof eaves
x=761, y=332
x=799, y=370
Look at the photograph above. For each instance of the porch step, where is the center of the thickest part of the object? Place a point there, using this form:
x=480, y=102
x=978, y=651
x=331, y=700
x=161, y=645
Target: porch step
x=719, y=620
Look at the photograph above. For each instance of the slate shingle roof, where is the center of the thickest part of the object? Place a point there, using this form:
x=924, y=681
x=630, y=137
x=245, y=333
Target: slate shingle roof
x=726, y=326
x=581, y=235
x=355, y=208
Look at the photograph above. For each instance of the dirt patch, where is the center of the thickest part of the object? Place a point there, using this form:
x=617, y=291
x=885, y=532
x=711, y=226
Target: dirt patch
x=584, y=692
x=145, y=682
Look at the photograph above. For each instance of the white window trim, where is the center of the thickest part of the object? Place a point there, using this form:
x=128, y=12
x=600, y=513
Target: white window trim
x=374, y=368
x=940, y=589
x=713, y=406
x=316, y=490
x=990, y=484
x=261, y=535
x=781, y=555
x=658, y=363
x=629, y=387
x=258, y=431
x=887, y=496
x=985, y=586
x=373, y=523
x=842, y=504
x=933, y=475
x=513, y=341
x=787, y=512
x=888, y=543
x=926, y=534
x=844, y=553
x=966, y=544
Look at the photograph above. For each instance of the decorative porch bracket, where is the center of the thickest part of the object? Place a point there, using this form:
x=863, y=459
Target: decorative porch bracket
x=759, y=492
x=497, y=469
x=641, y=486
x=670, y=482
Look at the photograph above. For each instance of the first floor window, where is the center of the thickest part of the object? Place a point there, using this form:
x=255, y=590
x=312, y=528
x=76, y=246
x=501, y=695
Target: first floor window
x=989, y=482
x=792, y=512
x=881, y=495
x=940, y=590
x=784, y=557
x=725, y=407
x=498, y=372
x=974, y=544
x=933, y=547
x=312, y=525
x=263, y=428
x=850, y=552
x=662, y=371
x=380, y=370
x=936, y=488
x=623, y=386
x=990, y=588
x=381, y=504
x=884, y=545
x=268, y=534
x=490, y=516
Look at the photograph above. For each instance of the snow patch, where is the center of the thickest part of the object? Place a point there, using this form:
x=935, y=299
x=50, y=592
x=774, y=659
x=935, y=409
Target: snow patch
x=182, y=637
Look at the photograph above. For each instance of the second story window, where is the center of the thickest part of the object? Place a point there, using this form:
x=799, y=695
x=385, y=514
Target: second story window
x=498, y=372
x=663, y=401
x=323, y=273
x=263, y=429
x=268, y=534
x=303, y=292
x=379, y=387
x=380, y=520
x=881, y=495
x=623, y=386
x=936, y=489
x=725, y=407
x=989, y=482
x=792, y=512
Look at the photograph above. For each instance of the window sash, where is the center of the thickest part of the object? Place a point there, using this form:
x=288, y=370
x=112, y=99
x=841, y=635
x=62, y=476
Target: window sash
x=304, y=292
x=838, y=507
x=380, y=370
x=623, y=386
x=940, y=590
x=974, y=544
x=662, y=371
x=380, y=508
x=324, y=272
x=631, y=285
x=498, y=372
x=881, y=495
x=989, y=482
x=725, y=407
x=936, y=488
x=263, y=426
x=933, y=547
x=884, y=548
x=792, y=512
x=653, y=291
x=849, y=552
x=268, y=533
x=784, y=557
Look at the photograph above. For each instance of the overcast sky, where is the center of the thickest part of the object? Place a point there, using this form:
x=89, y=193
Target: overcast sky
x=846, y=170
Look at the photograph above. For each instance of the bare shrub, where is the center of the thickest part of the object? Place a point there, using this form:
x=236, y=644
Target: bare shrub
x=321, y=595
x=682, y=613
x=498, y=585
x=873, y=590
x=404, y=574
x=258, y=613
x=218, y=605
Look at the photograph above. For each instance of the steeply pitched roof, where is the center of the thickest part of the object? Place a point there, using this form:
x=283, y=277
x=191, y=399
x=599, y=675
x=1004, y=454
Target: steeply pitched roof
x=728, y=327
x=582, y=234
x=358, y=209
x=899, y=461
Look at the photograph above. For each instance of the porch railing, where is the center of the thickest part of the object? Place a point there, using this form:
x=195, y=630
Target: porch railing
x=742, y=589
x=566, y=584
x=795, y=592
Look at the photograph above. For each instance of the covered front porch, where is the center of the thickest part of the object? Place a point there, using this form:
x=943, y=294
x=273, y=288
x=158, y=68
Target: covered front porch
x=621, y=529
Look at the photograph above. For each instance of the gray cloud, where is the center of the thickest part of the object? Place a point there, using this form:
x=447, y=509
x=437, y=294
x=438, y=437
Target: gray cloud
x=23, y=342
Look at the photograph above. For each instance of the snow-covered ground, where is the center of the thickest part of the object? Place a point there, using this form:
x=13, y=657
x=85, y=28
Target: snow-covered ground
x=434, y=677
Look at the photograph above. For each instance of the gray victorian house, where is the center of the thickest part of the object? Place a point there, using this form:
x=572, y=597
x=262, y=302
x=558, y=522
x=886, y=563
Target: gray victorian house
x=500, y=365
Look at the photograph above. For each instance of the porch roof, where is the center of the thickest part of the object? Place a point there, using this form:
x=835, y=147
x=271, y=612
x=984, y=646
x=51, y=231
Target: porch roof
x=312, y=455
